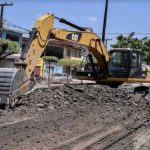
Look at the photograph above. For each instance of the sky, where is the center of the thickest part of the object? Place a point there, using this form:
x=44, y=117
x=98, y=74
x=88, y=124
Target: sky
x=124, y=16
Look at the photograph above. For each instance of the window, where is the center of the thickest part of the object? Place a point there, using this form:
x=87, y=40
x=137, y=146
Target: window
x=134, y=60
x=120, y=59
x=12, y=37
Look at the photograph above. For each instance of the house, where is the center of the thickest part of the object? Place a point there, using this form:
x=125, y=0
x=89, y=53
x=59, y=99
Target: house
x=63, y=52
x=12, y=32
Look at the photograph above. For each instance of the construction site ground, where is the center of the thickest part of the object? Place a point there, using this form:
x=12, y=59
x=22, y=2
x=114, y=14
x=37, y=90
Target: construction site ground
x=77, y=117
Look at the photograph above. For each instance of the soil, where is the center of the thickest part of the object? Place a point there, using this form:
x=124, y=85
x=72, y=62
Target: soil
x=77, y=117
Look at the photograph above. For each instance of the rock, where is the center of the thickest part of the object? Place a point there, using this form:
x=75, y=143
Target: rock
x=79, y=89
x=59, y=93
x=54, y=96
x=118, y=109
x=40, y=105
x=51, y=107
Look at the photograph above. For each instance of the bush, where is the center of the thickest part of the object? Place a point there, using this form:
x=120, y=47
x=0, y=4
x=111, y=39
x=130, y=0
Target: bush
x=10, y=46
x=50, y=58
x=69, y=62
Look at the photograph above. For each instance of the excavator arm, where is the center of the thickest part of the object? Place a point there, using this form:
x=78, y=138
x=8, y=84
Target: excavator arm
x=38, y=42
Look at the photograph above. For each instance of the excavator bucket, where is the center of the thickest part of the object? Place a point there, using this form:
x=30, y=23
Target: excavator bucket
x=13, y=83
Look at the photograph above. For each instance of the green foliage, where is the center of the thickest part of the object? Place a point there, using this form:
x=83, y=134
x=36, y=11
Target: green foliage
x=132, y=42
x=69, y=62
x=50, y=58
x=10, y=46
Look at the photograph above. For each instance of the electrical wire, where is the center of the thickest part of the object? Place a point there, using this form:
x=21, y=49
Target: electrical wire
x=129, y=16
x=10, y=25
x=118, y=33
x=16, y=25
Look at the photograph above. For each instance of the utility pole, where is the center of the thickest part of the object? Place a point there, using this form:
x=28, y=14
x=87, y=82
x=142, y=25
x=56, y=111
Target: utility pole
x=106, y=41
x=2, y=12
x=104, y=21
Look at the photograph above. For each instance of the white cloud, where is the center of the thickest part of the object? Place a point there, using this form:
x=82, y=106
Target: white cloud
x=92, y=18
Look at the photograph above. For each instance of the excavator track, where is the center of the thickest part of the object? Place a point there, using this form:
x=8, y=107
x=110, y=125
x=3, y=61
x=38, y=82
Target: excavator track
x=13, y=83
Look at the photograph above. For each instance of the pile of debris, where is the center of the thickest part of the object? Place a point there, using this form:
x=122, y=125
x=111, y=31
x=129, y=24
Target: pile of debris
x=79, y=95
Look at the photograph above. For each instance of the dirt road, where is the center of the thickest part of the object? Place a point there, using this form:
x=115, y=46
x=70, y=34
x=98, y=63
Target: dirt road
x=77, y=117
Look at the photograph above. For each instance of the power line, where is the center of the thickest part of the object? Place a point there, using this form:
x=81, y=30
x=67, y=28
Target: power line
x=5, y=30
x=129, y=16
x=2, y=11
x=117, y=33
x=8, y=23
x=14, y=25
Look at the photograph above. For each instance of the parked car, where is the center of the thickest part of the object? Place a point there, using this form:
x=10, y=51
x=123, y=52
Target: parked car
x=61, y=77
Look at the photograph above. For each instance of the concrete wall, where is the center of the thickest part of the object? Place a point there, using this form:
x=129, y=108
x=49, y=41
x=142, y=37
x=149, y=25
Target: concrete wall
x=7, y=63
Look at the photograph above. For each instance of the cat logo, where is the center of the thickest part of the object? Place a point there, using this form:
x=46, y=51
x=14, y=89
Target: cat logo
x=74, y=36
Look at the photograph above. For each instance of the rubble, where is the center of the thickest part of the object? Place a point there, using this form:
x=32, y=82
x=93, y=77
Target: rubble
x=78, y=95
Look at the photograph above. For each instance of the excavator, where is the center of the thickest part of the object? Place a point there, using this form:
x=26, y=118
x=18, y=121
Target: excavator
x=116, y=67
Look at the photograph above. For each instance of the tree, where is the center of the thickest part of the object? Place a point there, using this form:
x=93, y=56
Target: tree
x=133, y=42
x=9, y=47
x=50, y=59
x=70, y=63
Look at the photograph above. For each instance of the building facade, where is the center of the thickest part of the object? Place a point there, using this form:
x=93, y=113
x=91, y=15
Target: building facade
x=12, y=35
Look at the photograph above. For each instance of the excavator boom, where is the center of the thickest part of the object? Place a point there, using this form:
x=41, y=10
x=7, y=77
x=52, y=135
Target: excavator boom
x=42, y=29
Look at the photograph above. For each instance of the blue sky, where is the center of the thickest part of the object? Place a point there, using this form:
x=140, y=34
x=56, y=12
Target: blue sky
x=124, y=16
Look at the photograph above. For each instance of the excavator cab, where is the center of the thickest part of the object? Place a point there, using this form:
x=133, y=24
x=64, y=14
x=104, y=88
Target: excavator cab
x=125, y=63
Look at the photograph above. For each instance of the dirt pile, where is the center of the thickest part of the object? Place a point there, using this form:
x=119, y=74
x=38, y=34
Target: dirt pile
x=73, y=96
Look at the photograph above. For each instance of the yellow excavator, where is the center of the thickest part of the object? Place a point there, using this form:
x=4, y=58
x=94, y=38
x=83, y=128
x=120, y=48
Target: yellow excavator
x=119, y=66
